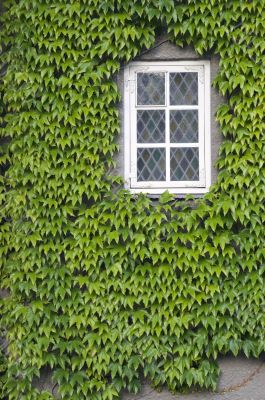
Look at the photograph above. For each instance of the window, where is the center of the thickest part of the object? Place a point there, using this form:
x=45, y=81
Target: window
x=167, y=127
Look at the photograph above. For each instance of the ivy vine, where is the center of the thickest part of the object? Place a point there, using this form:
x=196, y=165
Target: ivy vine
x=106, y=287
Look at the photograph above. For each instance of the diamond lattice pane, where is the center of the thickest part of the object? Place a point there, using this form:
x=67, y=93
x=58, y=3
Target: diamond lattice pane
x=183, y=88
x=150, y=126
x=184, y=164
x=151, y=164
x=184, y=126
x=151, y=88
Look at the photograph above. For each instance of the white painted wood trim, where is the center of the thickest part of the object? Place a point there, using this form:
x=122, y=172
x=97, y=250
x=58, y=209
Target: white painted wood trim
x=207, y=124
x=130, y=125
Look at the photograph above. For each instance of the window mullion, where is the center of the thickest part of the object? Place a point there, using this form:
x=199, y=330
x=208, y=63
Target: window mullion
x=167, y=139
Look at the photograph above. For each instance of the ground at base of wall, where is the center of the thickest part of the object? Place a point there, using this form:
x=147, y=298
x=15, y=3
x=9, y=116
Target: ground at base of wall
x=241, y=379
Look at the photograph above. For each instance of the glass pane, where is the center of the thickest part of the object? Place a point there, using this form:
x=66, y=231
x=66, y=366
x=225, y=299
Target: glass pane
x=151, y=164
x=151, y=88
x=184, y=164
x=184, y=126
x=150, y=126
x=183, y=88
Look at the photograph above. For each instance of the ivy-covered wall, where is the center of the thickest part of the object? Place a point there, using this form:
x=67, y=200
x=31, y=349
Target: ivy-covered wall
x=105, y=287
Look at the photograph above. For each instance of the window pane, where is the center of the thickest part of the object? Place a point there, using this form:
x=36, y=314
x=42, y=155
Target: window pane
x=151, y=88
x=184, y=88
x=151, y=164
x=150, y=126
x=184, y=164
x=184, y=126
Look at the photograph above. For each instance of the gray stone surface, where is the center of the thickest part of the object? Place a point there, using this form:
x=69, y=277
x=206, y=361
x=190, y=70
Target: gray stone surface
x=44, y=382
x=166, y=51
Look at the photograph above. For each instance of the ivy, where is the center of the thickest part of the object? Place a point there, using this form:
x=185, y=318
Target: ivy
x=105, y=287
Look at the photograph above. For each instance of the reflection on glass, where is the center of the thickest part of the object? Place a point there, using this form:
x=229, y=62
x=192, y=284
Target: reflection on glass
x=151, y=88
x=183, y=88
x=150, y=126
x=151, y=164
x=184, y=164
x=184, y=126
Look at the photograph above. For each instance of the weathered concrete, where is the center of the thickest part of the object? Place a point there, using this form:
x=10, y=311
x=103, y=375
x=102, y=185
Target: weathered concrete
x=166, y=51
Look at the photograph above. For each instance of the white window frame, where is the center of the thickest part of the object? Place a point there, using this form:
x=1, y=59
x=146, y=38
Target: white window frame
x=130, y=124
